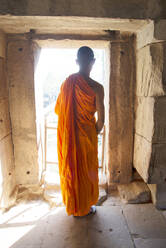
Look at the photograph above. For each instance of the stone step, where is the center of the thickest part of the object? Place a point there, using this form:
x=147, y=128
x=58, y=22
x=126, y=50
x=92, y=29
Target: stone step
x=158, y=192
x=134, y=192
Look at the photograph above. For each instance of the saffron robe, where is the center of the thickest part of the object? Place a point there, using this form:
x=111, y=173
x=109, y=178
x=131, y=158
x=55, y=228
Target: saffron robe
x=77, y=145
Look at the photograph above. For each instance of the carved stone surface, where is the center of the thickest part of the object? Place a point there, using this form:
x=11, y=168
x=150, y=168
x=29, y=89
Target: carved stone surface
x=151, y=70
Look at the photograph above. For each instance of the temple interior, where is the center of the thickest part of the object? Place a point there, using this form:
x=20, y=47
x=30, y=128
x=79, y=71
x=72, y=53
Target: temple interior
x=129, y=41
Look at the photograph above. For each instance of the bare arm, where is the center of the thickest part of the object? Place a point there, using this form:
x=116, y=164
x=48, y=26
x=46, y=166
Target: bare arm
x=100, y=109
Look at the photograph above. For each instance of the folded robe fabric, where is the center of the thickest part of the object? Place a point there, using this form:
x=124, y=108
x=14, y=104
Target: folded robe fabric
x=77, y=145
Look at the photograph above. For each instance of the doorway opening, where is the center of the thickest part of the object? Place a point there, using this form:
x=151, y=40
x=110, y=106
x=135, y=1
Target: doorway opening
x=54, y=66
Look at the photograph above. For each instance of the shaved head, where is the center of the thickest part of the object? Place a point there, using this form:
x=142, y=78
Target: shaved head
x=85, y=51
x=85, y=59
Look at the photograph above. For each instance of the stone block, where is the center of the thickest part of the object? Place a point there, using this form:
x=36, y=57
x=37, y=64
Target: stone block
x=159, y=29
x=102, y=196
x=151, y=70
x=3, y=81
x=150, y=160
x=145, y=35
x=131, y=9
x=134, y=192
x=5, y=127
x=21, y=93
x=158, y=192
x=136, y=176
x=149, y=243
x=112, y=187
x=2, y=44
x=22, y=110
x=7, y=175
x=20, y=64
x=26, y=160
x=145, y=221
x=6, y=156
x=151, y=118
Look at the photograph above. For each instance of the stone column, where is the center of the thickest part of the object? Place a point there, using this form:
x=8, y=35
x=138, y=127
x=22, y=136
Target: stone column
x=121, y=111
x=7, y=170
x=22, y=110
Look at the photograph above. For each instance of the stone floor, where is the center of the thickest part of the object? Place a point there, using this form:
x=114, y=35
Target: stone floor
x=115, y=225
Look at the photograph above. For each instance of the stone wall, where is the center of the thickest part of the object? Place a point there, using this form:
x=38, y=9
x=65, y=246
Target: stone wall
x=7, y=169
x=150, y=123
x=150, y=126
x=22, y=110
x=137, y=9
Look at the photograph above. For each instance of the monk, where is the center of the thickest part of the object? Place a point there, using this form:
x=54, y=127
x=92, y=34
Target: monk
x=77, y=143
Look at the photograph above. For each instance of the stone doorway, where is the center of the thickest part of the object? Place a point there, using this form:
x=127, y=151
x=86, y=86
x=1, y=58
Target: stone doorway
x=128, y=38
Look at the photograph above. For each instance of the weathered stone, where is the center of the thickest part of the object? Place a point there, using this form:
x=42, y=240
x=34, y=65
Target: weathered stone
x=151, y=118
x=113, y=199
x=6, y=156
x=3, y=81
x=102, y=196
x=7, y=176
x=142, y=220
x=136, y=176
x=22, y=110
x=121, y=106
x=112, y=187
x=134, y=192
x=158, y=192
x=7, y=171
x=148, y=243
x=133, y=9
x=3, y=44
x=21, y=93
x=159, y=29
x=5, y=128
x=107, y=227
x=69, y=25
x=150, y=124
x=151, y=72
x=26, y=165
x=150, y=160
x=145, y=35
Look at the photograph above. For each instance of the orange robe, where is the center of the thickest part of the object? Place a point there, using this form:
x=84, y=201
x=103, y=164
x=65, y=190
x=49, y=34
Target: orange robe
x=77, y=145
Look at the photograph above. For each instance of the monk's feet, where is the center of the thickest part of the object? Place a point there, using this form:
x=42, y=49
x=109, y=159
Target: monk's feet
x=92, y=211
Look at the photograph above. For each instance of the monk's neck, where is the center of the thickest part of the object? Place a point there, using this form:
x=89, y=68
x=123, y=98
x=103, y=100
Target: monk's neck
x=85, y=74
